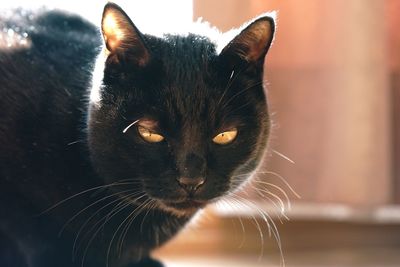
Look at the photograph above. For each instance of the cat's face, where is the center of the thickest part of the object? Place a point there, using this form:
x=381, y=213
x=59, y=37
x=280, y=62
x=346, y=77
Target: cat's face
x=177, y=121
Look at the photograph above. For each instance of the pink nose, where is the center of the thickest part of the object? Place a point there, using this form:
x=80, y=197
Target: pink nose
x=191, y=184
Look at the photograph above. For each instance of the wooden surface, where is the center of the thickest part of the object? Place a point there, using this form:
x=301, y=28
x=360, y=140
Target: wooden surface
x=377, y=257
x=305, y=243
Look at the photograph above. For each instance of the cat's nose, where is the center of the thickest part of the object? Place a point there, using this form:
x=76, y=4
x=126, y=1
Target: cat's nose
x=191, y=184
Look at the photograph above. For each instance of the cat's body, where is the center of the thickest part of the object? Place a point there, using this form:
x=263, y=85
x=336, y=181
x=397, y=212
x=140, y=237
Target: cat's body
x=129, y=194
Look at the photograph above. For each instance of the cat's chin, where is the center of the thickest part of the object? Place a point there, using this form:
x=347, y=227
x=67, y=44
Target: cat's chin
x=182, y=208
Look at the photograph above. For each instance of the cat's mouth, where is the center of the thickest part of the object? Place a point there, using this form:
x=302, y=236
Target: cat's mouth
x=185, y=206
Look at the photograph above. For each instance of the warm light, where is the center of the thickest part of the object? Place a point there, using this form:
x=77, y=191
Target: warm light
x=112, y=32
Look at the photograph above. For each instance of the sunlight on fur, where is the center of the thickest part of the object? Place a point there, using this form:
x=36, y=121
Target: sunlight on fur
x=12, y=39
x=112, y=32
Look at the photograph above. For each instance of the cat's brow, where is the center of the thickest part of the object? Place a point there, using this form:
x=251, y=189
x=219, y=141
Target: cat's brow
x=148, y=123
x=145, y=122
x=230, y=124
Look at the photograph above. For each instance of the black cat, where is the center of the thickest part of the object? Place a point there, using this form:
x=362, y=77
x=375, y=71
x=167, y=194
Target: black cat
x=98, y=170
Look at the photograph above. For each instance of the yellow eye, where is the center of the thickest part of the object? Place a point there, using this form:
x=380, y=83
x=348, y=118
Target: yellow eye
x=225, y=137
x=150, y=136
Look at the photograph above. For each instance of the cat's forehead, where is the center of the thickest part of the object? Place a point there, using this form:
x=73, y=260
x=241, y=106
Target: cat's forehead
x=187, y=63
x=181, y=51
x=192, y=90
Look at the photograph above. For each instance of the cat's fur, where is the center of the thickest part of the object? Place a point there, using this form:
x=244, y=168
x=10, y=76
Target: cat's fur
x=115, y=196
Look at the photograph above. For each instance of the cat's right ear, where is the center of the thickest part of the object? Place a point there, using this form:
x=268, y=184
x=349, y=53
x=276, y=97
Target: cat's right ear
x=122, y=39
x=251, y=45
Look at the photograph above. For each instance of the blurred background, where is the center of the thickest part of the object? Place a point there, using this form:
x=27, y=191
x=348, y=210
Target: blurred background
x=333, y=77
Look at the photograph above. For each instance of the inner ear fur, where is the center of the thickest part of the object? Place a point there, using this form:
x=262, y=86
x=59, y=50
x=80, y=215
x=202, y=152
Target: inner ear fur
x=121, y=36
x=252, y=43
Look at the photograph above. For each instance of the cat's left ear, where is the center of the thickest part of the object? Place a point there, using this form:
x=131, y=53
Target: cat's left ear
x=121, y=37
x=252, y=43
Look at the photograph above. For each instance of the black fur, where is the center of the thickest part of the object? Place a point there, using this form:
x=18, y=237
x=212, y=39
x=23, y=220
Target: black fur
x=55, y=144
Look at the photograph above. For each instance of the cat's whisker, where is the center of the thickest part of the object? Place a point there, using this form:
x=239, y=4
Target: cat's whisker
x=278, y=207
x=232, y=78
x=240, y=107
x=152, y=204
x=76, y=246
x=151, y=207
x=244, y=231
x=119, y=201
x=244, y=90
x=75, y=142
x=245, y=175
x=245, y=192
x=277, y=188
x=82, y=193
x=127, y=201
x=119, y=227
x=133, y=180
x=129, y=220
x=241, y=92
x=275, y=232
x=281, y=204
x=269, y=222
x=233, y=207
x=105, y=219
x=128, y=225
x=232, y=73
x=283, y=156
x=129, y=126
x=289, y=204
x=89, y=206
x=240, y=203
x=282, y=209
x=283, y=180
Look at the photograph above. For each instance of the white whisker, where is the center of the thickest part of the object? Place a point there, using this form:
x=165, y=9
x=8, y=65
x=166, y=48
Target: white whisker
x=129, y=126
x=283, y=180
x=257, y=226
x=121, y=225
x=82, y=193
x=277, y=188
x=232, y=206
x=278, y=207
x=75, y=142
x=232, y=78
x=128, y=225
x=89, y=206
x=106, y=218
x=267, y=220
x=283, y=156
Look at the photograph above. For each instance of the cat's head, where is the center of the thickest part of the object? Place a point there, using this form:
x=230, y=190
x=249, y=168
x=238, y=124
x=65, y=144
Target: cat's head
x=178, y=120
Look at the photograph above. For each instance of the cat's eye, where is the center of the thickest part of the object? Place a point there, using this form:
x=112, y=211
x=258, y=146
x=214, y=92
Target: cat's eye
x=149, y=135
x=226, y=137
